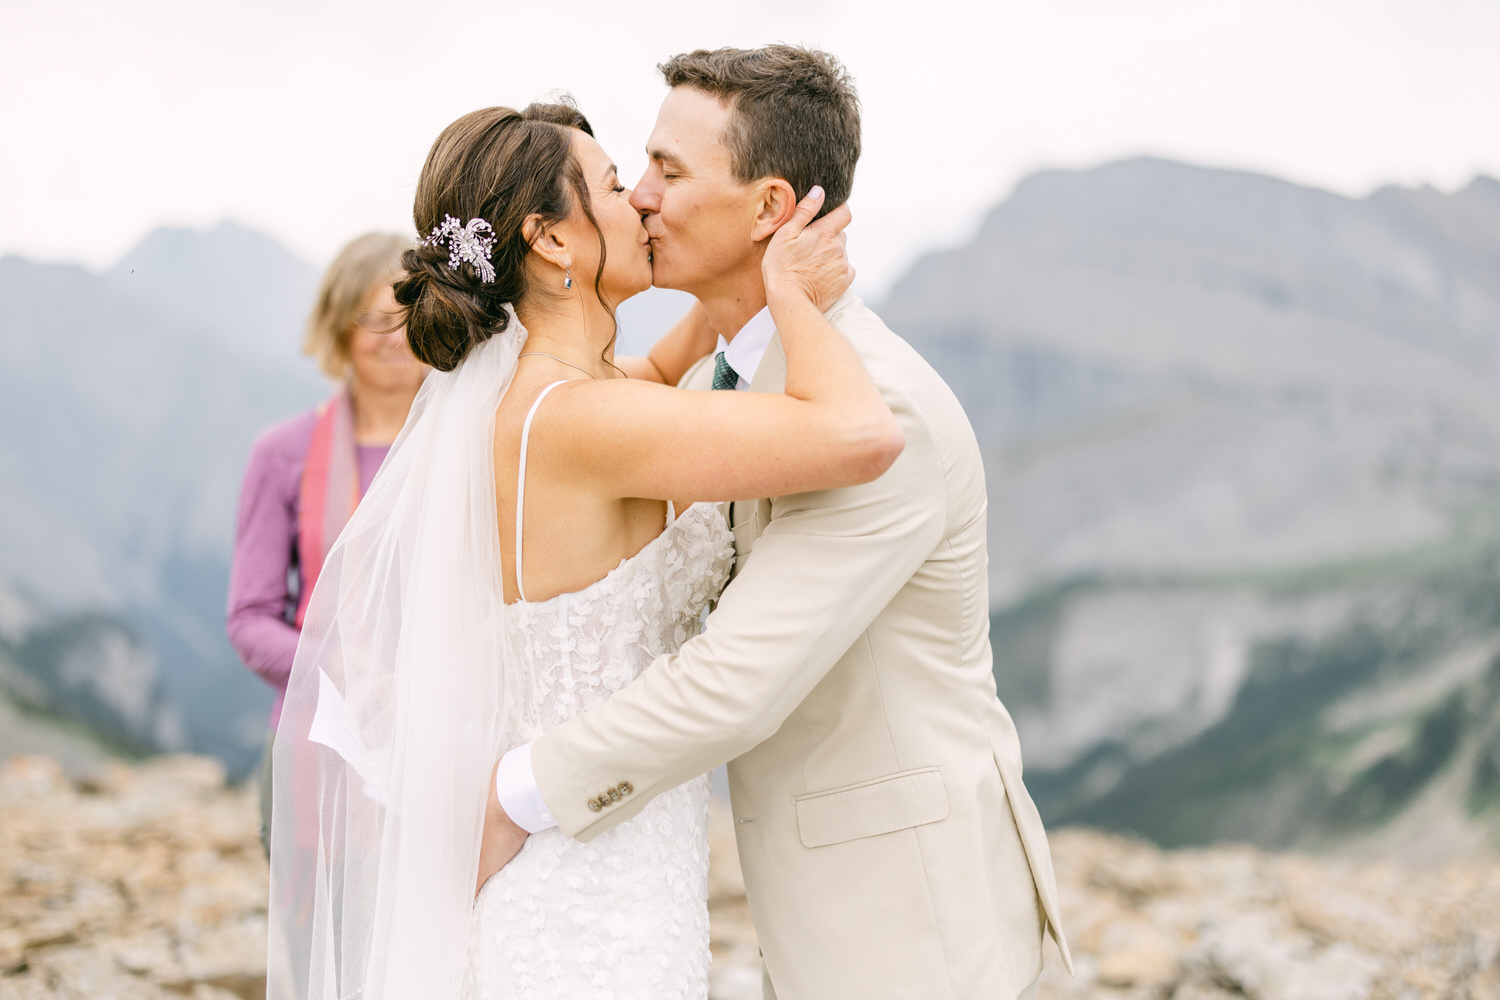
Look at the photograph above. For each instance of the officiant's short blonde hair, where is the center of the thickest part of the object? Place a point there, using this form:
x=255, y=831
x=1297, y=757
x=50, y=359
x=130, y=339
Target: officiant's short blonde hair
x=366, y=262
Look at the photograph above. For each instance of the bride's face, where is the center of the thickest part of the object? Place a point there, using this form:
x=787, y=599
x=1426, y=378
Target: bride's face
x=627, y=265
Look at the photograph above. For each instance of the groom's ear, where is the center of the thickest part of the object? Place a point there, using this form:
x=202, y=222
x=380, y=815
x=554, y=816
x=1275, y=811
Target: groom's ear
x=777, y=203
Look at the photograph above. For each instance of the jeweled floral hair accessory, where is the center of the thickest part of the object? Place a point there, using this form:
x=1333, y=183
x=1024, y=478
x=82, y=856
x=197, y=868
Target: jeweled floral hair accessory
x=466, y=245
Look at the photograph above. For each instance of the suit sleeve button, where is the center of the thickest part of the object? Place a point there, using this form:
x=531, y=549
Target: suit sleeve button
x=626, y=788
x=594, y=805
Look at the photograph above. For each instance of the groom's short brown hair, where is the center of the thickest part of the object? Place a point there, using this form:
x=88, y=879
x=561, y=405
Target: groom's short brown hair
x=795, y=114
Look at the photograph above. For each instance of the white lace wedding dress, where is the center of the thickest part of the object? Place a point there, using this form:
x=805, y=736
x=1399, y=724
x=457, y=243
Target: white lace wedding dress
x=625, y=916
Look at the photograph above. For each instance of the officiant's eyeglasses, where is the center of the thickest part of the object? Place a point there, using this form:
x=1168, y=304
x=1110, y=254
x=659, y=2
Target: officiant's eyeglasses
x=379, y=322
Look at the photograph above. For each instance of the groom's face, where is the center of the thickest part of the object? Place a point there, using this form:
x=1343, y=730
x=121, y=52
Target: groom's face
x=699, y=217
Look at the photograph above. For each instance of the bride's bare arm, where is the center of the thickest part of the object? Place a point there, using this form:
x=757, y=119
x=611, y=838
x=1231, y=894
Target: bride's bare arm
x=632, y=438
x=670, y=357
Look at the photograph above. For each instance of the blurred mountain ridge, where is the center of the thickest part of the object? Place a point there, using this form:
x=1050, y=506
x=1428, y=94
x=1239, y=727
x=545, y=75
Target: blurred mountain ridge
x=1242, y=445
x=129, y=402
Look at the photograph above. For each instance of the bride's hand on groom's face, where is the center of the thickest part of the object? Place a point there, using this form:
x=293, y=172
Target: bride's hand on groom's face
x=809, y=258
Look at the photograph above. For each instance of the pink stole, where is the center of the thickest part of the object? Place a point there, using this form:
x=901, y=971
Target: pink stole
x=330, y=491
x=329, y=494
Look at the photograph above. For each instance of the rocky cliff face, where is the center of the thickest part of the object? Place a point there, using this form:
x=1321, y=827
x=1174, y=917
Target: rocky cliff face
x=1363, y=712
x=1243, y=456
x=89, y=670
x=147, y=883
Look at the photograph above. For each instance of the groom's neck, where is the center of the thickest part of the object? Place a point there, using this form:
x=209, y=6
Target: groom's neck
x=733, y=300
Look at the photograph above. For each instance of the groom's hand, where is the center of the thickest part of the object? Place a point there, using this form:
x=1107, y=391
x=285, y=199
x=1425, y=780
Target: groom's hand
x=807, y=258
x=502, y=838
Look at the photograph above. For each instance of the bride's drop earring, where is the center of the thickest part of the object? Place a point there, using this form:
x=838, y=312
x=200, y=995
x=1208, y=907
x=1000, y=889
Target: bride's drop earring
x=568, y=280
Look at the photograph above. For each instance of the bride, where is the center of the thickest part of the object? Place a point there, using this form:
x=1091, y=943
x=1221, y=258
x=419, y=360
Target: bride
x=537, y=536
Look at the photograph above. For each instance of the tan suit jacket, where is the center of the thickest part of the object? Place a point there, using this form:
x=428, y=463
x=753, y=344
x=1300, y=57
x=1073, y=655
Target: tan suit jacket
x=888, y=844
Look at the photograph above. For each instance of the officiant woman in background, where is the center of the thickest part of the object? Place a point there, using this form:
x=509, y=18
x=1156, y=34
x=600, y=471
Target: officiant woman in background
x=306, y=474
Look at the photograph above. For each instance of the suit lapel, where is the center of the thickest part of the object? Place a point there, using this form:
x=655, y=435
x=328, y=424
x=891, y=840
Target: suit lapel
x=748, y=518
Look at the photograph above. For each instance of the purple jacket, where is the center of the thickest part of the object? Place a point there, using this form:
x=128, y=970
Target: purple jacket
x=264, y=580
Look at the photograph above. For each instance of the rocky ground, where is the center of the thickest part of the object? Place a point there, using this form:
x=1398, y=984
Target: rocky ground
x=147, y=883
x=140, y=883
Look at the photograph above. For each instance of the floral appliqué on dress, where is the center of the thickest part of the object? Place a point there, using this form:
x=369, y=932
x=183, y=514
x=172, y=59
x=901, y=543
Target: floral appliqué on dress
x=625, y=916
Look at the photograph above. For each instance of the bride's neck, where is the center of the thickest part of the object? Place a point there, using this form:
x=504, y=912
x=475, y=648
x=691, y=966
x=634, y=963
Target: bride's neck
x=575, y=328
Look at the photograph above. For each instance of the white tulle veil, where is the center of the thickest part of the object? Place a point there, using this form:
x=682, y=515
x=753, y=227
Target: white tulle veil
x=394, y=714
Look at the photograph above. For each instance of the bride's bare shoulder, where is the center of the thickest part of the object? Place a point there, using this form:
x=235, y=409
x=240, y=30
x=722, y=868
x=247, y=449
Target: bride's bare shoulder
x=553, y=420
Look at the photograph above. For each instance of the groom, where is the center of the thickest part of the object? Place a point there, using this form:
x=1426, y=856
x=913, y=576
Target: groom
x=888, y=844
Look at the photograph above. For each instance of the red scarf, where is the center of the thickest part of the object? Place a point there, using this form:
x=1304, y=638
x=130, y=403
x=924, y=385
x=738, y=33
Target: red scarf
x=330, y=491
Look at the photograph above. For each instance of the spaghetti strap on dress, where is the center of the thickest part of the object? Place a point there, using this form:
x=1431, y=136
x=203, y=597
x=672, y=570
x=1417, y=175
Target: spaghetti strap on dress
x=521, y=478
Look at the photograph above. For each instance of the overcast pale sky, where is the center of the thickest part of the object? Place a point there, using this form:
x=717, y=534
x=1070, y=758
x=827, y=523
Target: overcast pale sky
x=309, y=119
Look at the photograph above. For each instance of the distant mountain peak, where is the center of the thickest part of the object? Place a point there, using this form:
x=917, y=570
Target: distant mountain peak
x=230, y=282
x=226, y=244
x=1151, y=193
x=1483, y=186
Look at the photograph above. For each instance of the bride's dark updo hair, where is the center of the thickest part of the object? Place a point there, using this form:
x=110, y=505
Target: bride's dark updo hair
x=502, y=166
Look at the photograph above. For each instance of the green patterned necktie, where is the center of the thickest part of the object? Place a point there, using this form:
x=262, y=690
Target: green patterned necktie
x=725, y=377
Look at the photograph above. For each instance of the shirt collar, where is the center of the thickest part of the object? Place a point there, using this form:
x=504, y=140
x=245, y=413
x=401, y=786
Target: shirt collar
x=745, y=351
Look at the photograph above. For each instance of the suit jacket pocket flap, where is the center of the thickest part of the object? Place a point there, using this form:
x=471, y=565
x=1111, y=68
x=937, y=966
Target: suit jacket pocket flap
x=869, y=808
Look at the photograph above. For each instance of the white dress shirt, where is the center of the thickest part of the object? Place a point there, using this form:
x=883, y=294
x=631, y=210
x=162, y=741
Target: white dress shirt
x=748, y=346
x=515, y=780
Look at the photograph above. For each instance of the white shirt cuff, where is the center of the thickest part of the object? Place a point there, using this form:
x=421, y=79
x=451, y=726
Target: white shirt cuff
x=515, y=784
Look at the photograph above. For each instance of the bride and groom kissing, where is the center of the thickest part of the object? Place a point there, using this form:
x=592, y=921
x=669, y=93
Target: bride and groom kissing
x=502, y=669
